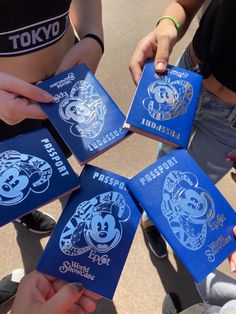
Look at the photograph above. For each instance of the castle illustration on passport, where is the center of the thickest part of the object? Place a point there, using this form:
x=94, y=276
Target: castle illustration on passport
x=164, y=106
x=83, y=113
x=189, y=211
x=93, y=236
x=33, y=172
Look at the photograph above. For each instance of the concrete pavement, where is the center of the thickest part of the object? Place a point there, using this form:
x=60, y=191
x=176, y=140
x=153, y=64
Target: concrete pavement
x=144, y=280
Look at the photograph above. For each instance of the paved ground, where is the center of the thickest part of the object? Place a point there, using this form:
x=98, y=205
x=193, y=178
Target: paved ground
x=144, y=280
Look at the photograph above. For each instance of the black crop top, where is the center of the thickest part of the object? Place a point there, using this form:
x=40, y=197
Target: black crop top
x=28, y=25
x=215, y=43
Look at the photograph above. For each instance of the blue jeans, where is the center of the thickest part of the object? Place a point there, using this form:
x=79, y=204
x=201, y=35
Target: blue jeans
x=213, y=133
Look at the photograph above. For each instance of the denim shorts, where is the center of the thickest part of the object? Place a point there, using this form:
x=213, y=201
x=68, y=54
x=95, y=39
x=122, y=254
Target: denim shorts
x=213, y=132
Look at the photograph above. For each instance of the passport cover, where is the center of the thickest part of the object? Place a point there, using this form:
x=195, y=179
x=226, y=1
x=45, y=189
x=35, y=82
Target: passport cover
x=83, y=113
x=93, y=236
x=189, y=211
x=33, y=172
x=164, y=106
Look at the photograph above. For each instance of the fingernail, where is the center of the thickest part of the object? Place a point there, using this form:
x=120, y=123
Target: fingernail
x=78, y=285
x=160, y=66
x=47, y=96
x=136, y=81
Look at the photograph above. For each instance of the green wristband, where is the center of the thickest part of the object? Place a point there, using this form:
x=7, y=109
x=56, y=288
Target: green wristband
x=176, y=23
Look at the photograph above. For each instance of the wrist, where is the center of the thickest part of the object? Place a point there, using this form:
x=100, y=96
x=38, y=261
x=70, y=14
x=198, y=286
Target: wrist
x=170, y=20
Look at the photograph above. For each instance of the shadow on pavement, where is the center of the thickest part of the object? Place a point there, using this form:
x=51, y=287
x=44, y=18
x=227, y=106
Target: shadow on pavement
x=30, y=246
x=31, y=249
x=29, y=243
x=176, y=280
x=105, y=306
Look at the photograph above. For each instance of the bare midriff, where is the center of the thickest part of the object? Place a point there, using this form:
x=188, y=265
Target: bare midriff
x=36, y=66
x=213, y=85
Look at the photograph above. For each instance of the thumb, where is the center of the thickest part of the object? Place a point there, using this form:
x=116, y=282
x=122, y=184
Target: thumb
x=164, y=49
x=61, y=302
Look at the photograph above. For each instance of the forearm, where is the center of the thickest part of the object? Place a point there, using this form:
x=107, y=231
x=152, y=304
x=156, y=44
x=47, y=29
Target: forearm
x=159, y=43
x=86, y=16
x=183, y=11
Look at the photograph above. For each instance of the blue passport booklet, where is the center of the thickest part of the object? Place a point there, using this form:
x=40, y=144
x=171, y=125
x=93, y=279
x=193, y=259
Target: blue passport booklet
x=189, y=211
x=83, y=113
x=33, y=172
x=164, y=106
x=93, y=236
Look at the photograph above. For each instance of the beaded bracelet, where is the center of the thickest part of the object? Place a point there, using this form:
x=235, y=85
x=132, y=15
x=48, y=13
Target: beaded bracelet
x=95, y=37
x=176, y=23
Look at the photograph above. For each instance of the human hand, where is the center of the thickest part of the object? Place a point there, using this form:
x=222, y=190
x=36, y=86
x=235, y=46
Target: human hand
x=232, y=257
x=86, y=51
x=42, y=294
x=18, y=100
x=157, y=45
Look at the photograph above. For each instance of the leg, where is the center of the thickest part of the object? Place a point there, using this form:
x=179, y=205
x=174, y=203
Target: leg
x=217, y=288
x=209, y=155
x=213, y=131
x=214, y=136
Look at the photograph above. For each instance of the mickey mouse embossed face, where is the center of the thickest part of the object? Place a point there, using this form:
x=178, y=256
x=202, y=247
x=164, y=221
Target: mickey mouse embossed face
x=193, y=203
x=84, y=110
x=76, y=110
x=193, y=200
x=104, y=230
x=20, y=174
x=96, y=224
x=165, y=94
x=12, y=183
x=187, y=207
x=166, y=99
